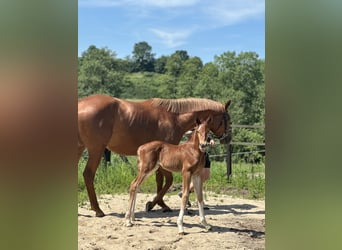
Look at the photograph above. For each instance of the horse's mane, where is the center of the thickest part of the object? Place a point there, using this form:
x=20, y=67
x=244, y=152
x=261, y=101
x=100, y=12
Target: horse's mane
x=184, y=105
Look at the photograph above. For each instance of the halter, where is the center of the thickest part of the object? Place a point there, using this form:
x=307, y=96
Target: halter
x=225, y=134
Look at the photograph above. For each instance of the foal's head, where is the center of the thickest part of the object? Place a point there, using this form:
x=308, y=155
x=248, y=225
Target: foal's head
x=201, y=132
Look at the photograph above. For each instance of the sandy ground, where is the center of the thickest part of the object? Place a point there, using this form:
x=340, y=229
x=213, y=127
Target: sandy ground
x=236, y=224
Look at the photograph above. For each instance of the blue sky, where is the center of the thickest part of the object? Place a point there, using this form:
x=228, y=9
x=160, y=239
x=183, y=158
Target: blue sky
x=203, y=28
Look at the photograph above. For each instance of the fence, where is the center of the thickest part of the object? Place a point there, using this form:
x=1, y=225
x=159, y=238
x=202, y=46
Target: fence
x=229, y=151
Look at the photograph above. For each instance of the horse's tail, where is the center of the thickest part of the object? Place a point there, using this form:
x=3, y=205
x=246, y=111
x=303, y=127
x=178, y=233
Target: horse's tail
x=80, y=147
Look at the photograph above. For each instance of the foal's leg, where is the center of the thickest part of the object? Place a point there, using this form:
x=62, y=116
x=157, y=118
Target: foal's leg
x=185, y=190
x=132, y=198
x=144, y=171
x=198, y=185
x=89, y=174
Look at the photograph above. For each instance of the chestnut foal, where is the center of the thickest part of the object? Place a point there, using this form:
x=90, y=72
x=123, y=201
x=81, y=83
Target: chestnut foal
x=187, y=158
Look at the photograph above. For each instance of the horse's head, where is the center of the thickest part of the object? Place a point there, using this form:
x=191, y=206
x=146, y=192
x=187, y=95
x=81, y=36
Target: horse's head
x=201, y=131
x=221, y=125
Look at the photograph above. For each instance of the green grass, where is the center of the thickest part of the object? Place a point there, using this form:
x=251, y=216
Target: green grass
x=247, y=180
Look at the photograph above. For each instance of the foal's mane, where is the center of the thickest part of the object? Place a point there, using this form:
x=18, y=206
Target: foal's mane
x=184, y=105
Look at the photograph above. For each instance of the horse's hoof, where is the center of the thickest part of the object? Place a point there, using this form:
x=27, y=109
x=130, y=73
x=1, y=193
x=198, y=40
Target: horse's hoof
x=100, y=214
x=189, y=212
x=148, y=206
x=181, y=233
x=207, y=228
x=166, y=209
x=129, y=224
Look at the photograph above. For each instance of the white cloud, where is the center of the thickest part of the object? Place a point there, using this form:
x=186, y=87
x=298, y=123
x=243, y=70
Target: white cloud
x=228, y=12
x=100, y=3
x=168, y=3
x=138, y=3
x=177, y=25
x=172, y=39
x=218, y=12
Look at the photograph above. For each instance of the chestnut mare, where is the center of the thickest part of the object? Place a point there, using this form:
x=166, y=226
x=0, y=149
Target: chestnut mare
x=122, y=126
x=187, y=158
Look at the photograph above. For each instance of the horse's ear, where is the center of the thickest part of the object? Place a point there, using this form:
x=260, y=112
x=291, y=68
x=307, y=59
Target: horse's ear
x=198, y=121
x=227, y=104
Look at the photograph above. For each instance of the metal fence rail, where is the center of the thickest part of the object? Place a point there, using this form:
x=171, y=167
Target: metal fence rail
x=230, y=146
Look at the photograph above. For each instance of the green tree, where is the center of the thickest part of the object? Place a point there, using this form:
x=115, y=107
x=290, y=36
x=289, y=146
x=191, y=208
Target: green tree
x=242, y=79
x=97, y=72
x=183, y=54
x=143, y=58
x=208, y=85
x=192, y=67
x=160, y=64
x=175, y=62
x=125, y=65
x=243, y=75
x=165, y=85
x=188, y=78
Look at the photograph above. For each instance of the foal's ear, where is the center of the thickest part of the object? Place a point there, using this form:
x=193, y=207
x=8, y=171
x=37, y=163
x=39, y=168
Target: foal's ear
x=227, y=104
x=209, y=119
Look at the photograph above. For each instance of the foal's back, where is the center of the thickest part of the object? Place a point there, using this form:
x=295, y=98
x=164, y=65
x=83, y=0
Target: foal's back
x=174, y=158
x=169, y=156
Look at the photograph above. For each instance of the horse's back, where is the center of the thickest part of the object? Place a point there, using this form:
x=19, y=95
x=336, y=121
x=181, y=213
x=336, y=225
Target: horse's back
x=96, y=99
x=95, y=118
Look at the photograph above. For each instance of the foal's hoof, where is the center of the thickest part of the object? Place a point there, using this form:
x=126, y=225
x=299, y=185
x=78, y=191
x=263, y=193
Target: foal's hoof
x=148, y=206
x=166, y=209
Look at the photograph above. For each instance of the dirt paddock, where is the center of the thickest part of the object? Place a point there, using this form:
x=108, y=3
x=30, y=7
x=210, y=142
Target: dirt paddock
x=236, y=224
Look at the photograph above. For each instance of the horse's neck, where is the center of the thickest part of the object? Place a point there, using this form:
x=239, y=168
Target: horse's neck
x=187, y=121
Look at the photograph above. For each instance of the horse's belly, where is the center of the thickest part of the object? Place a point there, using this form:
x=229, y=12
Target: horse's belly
x=123, y=149
x=126, y=144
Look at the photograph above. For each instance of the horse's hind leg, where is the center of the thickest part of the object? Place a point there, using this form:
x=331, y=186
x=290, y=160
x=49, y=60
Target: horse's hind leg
x=89, y=174
x=161, y=191
x=79, y=152
x=198, y=185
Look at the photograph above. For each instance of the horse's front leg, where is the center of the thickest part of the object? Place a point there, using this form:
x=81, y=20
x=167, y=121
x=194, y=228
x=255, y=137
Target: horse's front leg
x=161, y=191
x=185, y=190
x=198, y=185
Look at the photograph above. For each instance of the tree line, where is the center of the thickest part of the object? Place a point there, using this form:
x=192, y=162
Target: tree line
x=142, y=75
